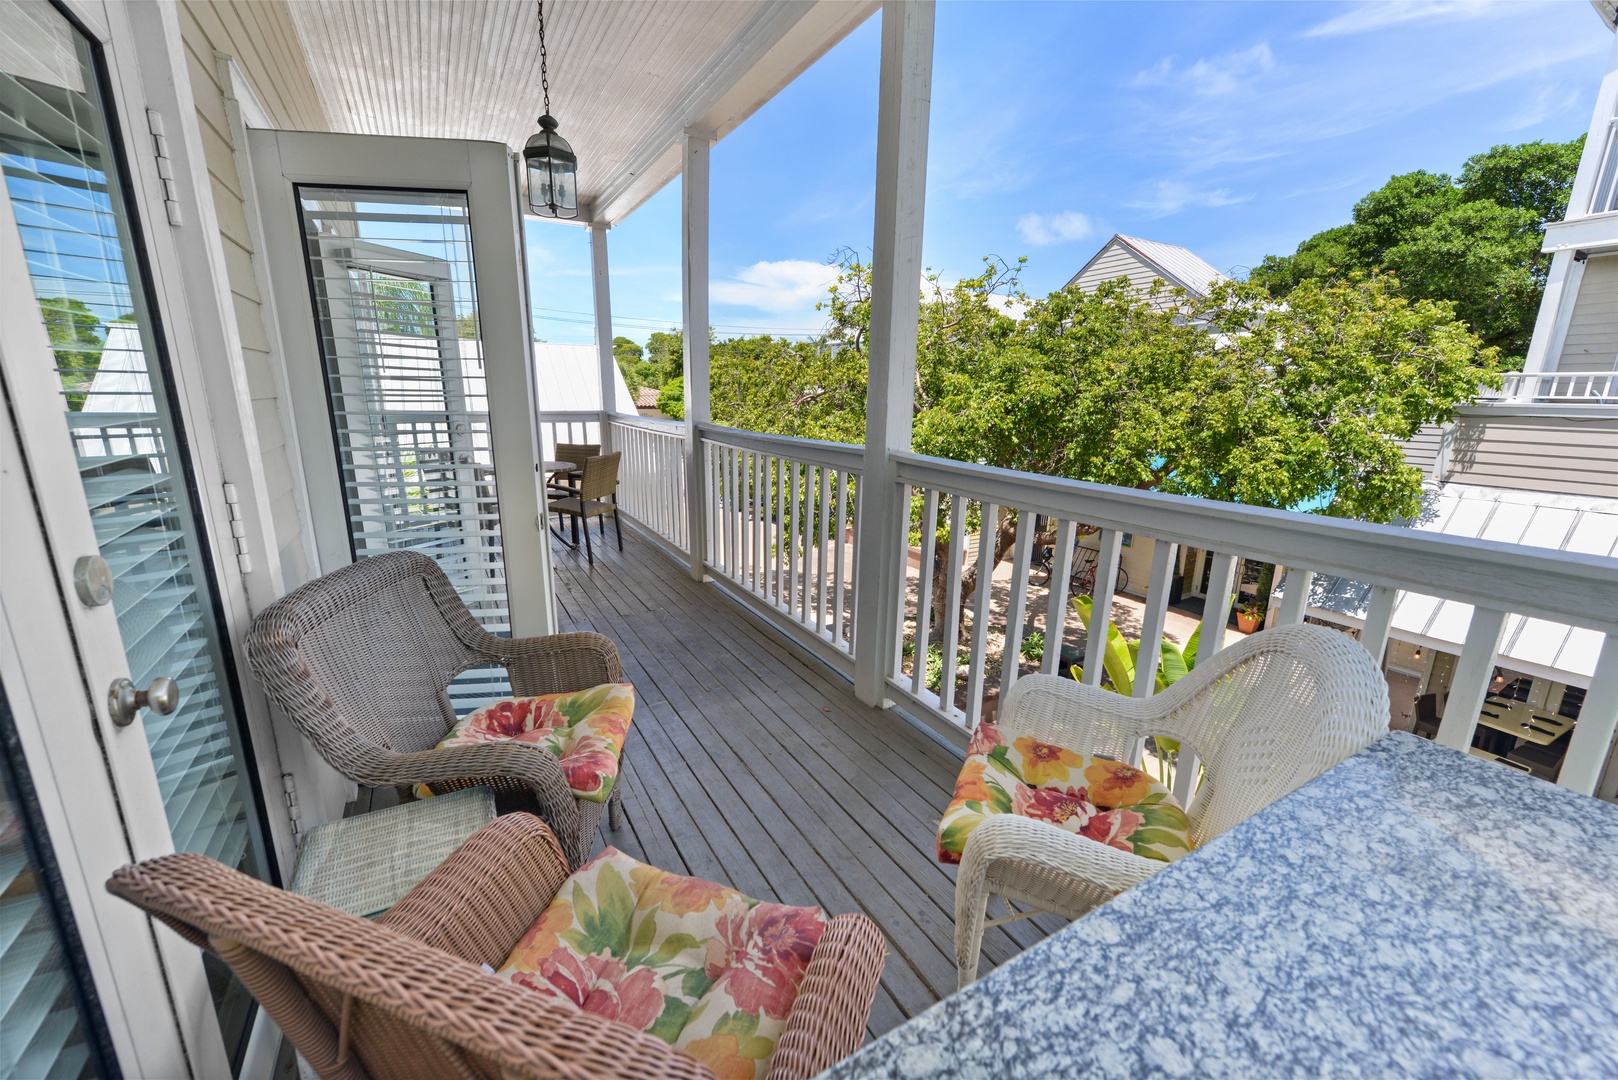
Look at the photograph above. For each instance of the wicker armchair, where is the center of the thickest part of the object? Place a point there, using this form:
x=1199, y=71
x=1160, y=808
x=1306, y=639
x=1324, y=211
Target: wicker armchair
x=405, y=996
x=597, y=484
x=360, y=660
x=1265, y=716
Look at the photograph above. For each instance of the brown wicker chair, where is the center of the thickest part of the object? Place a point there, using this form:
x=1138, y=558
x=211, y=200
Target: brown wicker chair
x=599, y=483
x=404, y=996
x=578, y=454
x=360, y=659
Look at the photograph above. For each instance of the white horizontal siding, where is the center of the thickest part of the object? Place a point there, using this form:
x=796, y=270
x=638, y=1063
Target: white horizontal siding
x=1592, y=334
x=1116, y=262
x=1421, y=450
x=1537, y=453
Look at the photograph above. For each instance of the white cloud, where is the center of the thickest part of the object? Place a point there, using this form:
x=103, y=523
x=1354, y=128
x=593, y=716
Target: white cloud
x=1366, y=17
x=787, y=286
x=1042, y=230
x=1545, y=103
x=1213, y=76
x=1167, y=197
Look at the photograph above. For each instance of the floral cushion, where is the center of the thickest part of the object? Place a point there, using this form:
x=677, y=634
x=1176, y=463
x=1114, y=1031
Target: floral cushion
x=699, y=965
x=585, y=729
x=1098, y=798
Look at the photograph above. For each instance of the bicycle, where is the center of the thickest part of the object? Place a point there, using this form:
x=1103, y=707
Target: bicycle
x=1082, y=575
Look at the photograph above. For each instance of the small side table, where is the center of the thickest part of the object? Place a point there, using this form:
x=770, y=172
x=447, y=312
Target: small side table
x=364, y=865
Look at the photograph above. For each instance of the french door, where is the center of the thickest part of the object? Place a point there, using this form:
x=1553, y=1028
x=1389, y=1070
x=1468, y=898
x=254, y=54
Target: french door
x=100, y=467
x=397, y=270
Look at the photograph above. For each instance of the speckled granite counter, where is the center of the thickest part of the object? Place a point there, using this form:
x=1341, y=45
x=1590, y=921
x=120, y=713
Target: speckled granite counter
x=1414, y=912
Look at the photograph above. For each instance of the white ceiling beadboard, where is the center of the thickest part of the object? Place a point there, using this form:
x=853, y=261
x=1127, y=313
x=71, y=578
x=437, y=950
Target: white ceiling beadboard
x=627, y=76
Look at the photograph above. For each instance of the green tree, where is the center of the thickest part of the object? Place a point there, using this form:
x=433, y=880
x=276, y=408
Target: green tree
x=468, y=327
x=76, y=340
x=629, y=355
x=1472, y=240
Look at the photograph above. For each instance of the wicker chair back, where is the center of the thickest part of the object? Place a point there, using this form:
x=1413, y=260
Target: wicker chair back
x=577, y=453
x=600, y=478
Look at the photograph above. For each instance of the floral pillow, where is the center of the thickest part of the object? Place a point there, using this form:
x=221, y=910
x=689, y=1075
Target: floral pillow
x=585, y=729
x=699, y=965
x=1098, y=798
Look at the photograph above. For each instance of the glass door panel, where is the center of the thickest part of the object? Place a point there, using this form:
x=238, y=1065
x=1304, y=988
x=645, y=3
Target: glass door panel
x=61, y=174
x=396, y=316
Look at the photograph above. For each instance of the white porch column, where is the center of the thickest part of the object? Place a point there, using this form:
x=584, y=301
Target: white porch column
x=905, y=102
x=603, y=305
x=694, y=313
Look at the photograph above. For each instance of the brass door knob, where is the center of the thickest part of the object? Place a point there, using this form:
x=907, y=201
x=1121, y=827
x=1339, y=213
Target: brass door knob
x=124, y=702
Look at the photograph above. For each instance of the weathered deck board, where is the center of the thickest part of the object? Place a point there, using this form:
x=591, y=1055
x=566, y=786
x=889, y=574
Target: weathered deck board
x=752, y=764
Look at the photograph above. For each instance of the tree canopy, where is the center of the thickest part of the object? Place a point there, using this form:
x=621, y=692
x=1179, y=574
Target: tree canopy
x=1232, y=396
x=1472, y=240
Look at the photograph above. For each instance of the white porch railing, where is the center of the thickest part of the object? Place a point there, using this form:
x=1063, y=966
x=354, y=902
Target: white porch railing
x=987, y=627
x=1558, y=388
x=783, y=518
x=568, y=427
x=651, y=475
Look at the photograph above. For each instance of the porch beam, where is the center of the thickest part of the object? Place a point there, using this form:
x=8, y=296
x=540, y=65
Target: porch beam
x=903, y=111
x=603, y=313
x=694, y=149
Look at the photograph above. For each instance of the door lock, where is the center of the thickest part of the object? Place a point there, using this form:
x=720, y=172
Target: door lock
x=124, y=702
x=92, y=580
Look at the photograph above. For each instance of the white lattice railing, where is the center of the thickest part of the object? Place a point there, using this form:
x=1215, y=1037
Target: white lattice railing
x=1559, y=388
x=651, y=475
x=782, y=521
x=568, y=427
x=958, y=510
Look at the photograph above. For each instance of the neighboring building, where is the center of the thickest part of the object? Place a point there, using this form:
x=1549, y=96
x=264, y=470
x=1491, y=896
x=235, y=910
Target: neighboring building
x=1142, y=262
x=646, y=402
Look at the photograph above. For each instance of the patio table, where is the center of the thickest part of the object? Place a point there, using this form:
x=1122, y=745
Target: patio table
x=1413, y=912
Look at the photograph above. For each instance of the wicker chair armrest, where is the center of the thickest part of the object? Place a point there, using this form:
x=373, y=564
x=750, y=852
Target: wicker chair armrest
x=1008, y=836
x=484, y=897
x=557, y=663
x=521, y=1033
x=829, y=1016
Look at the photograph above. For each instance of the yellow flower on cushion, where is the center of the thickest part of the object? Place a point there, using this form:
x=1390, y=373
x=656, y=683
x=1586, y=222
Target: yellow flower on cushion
x=1112, y=783
x=971, y=785
x=722, y=1054
x=1043, y=763
x=540, y=939
x=674, y=893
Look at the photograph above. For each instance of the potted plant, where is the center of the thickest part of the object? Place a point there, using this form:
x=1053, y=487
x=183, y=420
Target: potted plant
x=1249, y=617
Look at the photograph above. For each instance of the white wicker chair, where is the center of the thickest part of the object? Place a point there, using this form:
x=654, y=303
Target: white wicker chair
x=1265, y=716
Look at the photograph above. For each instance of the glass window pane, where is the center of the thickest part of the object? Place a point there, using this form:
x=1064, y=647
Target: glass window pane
x=396, y=315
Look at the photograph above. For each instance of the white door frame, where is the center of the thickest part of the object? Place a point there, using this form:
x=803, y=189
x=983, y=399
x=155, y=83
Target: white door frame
x=97, y=784
x=483, y=171
x=146, y=65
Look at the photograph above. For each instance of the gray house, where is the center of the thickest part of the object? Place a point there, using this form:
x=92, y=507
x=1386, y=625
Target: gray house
x=1142, y=261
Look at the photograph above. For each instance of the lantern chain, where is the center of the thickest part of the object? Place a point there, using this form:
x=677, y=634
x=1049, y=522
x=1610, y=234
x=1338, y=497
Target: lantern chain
x=544, y=75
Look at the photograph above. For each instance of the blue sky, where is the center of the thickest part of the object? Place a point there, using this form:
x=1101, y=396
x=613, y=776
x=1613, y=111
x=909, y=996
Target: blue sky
x=1236, y=130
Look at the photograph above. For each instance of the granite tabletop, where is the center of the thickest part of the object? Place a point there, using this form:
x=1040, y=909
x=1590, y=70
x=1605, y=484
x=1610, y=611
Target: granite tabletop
x=1413, y=912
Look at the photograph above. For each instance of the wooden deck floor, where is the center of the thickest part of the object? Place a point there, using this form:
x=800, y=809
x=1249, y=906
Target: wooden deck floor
x=752, y=764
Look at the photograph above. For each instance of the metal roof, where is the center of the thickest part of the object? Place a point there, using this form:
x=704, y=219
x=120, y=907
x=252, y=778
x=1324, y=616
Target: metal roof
x=1536, y=519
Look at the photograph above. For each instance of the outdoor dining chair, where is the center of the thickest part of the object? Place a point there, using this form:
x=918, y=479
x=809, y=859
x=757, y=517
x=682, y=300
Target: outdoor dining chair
x=361, y=660
x=416, y=993
x=1076, y=826
x=577, y=454
x=590, y=500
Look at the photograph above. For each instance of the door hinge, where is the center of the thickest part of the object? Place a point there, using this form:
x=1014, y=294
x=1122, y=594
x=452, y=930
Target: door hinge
x=238, y=529
x=290, y=785
x=165, y=166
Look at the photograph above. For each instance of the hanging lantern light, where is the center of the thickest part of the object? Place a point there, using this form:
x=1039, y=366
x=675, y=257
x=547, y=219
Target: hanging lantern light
x=553, y=168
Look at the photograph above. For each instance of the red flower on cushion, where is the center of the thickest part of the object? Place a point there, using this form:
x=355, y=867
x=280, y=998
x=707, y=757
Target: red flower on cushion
x=512, y=719
x=1067, y=808
x=598, y=984
x=762, y=953
x=984, y=739
x=1114, y=828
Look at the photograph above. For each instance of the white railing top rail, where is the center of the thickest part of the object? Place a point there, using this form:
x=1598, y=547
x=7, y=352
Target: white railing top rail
x=649, y=423
x=845, y=456
x=551, y=416
x=1559, y=387
x=1562, y=586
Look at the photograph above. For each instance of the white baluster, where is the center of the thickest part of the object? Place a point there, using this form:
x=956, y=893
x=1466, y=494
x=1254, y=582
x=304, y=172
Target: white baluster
x=1017, y=601
x=1216, y=604
x=794, y=521
x=1295, y=602
x=1056, y=605
x=952, y=605
x=823, y=533
x=1470, y=684
x=924, y=590
x=1378, y=621
x=1095, y=639
x=839, y=554
x=977, y=658
x=1153, y=619
x=1591, y=746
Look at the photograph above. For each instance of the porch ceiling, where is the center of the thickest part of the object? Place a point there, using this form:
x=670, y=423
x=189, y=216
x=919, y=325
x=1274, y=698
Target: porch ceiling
x=626, y=77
